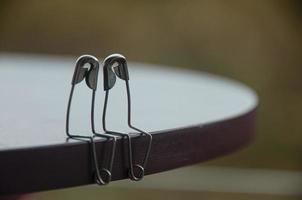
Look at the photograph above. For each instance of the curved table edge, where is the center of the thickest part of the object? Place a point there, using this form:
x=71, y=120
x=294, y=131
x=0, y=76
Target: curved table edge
x=68, y=165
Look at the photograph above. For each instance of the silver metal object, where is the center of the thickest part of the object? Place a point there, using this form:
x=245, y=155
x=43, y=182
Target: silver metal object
x=116, y=65
x=90, y=75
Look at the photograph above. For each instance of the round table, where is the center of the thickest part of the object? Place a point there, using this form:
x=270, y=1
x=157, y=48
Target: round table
x=193, y=117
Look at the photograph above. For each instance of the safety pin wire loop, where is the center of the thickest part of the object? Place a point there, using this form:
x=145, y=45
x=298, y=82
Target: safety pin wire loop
x=113, y=148
x=130, y=157
x=147, y=153
x=91, y=80
x=109, y=80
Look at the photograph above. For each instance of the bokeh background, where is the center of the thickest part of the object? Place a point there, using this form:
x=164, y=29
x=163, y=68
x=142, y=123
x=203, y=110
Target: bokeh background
x=256, y=42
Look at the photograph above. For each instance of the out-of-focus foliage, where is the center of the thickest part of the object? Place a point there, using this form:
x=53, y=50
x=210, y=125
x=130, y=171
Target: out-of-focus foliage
x=256, y=42
x=149, y=194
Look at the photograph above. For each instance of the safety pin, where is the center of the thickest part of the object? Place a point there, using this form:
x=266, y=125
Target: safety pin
x=116, y=65
x=90, y=75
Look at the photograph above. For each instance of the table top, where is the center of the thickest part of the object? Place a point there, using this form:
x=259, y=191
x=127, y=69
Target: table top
x=193, y=117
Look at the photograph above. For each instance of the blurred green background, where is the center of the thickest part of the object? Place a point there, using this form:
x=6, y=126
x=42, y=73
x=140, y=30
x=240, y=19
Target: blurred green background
x=256, y=42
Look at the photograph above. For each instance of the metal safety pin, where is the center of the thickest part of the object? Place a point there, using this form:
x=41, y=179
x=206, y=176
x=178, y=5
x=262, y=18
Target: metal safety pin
x=116, y=65
x=90, y=75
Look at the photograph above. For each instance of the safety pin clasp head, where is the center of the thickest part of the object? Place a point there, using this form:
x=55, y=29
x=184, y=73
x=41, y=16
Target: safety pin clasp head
x=90, y=73
x=114, y=65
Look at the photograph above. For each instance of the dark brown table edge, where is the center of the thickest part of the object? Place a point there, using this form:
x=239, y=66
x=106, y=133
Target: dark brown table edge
x=69, y=164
